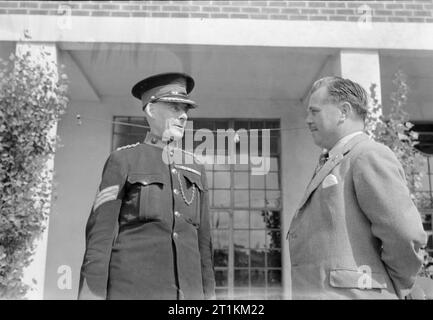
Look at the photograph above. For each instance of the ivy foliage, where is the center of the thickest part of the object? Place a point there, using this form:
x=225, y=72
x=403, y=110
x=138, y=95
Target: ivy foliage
x=32, y=98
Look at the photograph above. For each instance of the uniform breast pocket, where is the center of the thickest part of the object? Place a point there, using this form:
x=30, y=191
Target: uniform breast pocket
x=149, y=190
x=191, y=194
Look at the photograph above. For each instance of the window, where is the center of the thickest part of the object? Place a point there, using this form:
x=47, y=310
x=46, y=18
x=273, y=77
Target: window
x=245, y=216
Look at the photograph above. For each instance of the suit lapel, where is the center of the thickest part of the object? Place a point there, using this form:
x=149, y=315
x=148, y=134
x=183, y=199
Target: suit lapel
x=328, y=166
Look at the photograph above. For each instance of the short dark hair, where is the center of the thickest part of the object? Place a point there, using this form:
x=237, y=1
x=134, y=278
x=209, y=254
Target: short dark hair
x=340, y=89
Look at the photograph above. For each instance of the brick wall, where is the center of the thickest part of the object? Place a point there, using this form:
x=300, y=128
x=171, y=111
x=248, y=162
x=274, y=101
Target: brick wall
x=381, y=11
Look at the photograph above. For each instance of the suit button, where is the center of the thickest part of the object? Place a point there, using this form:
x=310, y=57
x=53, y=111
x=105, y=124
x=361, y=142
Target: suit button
x=176, y=192
x=173, y=170
x=177, y=214
x=171, y=152
x=175, y=235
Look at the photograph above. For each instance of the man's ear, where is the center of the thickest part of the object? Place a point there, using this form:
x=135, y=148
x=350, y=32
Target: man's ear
x=346, y=110
x=149, y=110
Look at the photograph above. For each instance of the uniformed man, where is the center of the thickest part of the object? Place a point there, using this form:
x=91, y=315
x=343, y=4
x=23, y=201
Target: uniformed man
x=148, y=235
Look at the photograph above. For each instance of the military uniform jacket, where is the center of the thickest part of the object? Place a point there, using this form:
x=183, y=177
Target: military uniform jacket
x=148, y=235
x=357, y=233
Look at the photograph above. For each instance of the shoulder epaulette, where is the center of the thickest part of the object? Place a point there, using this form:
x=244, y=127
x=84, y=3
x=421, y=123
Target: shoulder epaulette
x=128, y=146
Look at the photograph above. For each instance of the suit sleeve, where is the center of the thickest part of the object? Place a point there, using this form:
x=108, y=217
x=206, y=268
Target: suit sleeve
x=101, y=230
x=205, y=243
x=384, y=197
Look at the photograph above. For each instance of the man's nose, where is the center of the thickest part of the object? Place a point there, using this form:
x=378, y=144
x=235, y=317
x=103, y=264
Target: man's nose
x=183, y=116
x=308, y=119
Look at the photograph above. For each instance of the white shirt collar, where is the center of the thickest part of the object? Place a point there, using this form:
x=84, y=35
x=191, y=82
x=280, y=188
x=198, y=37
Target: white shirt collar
x=338, y=147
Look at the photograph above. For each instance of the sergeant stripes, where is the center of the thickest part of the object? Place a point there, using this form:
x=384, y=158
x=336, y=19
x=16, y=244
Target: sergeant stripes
x=107, y=194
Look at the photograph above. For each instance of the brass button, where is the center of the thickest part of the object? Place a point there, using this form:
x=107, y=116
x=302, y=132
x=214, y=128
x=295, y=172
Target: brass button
x=171, y=152
x=175, y=235
x=177, y=214
x=173, y=170
x=176, y=192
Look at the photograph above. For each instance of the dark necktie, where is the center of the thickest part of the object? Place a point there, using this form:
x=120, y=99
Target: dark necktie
x=322, y=160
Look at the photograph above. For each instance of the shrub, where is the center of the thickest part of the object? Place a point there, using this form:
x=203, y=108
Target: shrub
x=31, y=100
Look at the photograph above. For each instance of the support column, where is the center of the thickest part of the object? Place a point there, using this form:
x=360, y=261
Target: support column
x=363, y=67
x=34, y=274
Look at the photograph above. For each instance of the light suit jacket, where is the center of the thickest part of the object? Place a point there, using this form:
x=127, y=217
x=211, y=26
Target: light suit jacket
x=356, y=233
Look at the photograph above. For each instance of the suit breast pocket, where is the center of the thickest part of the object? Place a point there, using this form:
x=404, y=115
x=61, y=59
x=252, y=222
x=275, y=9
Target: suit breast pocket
x=149, y=193
x=191, y=194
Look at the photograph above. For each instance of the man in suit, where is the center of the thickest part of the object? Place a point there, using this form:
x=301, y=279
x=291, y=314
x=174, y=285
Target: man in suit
x=148, y=235
x=356, y=233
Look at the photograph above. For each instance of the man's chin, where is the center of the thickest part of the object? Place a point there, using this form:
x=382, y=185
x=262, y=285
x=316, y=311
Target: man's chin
x=316, y=139
x=175, y=134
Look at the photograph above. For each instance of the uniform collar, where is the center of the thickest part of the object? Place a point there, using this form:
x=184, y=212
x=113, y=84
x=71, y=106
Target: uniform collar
x=154, y=140
x=339, y=146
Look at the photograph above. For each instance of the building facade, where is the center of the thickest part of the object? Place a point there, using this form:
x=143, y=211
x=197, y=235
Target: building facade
x=253, y=62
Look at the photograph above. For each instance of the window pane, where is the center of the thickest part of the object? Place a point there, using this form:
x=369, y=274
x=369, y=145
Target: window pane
x=240, y=239
x=241, y=166
x=257, y=199
x=220, y=219
x=241, y=198
x=209, y=177
x=273, y=219
x=240, y=219
x=257, y=181
x=274, y=164
x=257, y=278
x=274, y=258
x=257, y=258
x=274, y=278
x=257, y=239
x=210, y=193
x=220, y=239
x=241, y=257
x=221, y=278
x=272, y=181
x=258, y=220
x=221, y=257
x=241, y=180
x=275, y=145
x=273, y=199
x=221, y=198
x=241, y=278
x=273, y=239
x=222, y=180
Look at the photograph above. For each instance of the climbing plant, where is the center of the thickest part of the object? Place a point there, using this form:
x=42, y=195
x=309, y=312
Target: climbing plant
x=32, y=98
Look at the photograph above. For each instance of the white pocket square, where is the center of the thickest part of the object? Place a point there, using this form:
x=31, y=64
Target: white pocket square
x=329, y=181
